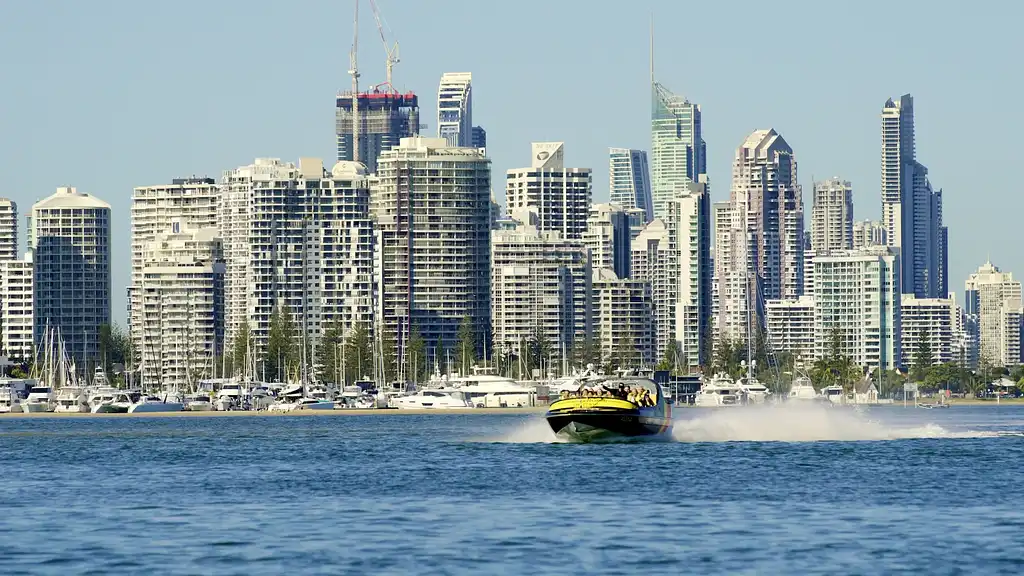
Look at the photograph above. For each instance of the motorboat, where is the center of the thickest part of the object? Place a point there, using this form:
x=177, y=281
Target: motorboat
x=260, y=397
x=803, y=391
x=40, y=399
x=754, y=391
x=229, y=397
x=73, y=399
x=834, y=394
x=720, y=391
x=491, y=391
x=164, y=402
x=609, y=408
x=295, y=398
x=109, y=401
x=9, y=401
x=198, y=402
x=431, y=399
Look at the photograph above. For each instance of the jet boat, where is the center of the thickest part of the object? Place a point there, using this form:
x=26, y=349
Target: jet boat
x=611, y=408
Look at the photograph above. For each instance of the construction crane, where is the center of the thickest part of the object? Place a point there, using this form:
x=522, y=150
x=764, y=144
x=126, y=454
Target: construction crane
x=353, y=70
x=392, y=52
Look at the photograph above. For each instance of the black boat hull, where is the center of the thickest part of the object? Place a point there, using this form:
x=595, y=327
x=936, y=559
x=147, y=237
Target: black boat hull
x=588, y=427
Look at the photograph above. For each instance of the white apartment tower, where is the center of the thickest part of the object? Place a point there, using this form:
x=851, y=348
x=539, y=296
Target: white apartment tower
x=432, y=207
x=193, y=203
x=911, y=210
x=608, y=237
x=760, y=255
x=630, y=181
x=300, y=237
x=560, y=196
x=455, y=109
x=16, y=310
x=540, y=288
x=832, y=216
x=790, y=325
x=654, y=260
x=69, y=236
x=181, y=307
x=623, y=321
x=993, y=299
x=931, y=320
x=690, y=223
x=857, y=294
x=8, y=230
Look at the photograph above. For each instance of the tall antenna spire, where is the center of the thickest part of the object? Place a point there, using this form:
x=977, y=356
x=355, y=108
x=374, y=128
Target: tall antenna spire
x=354, y=72
x=652, y=48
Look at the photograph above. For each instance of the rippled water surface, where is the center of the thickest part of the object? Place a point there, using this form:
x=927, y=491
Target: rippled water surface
x=782, y=491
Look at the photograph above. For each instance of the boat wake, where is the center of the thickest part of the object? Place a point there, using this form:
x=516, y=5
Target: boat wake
x=804, y=423
x=785, y=423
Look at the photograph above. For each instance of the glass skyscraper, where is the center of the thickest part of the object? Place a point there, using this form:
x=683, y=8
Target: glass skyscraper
x=630, y=181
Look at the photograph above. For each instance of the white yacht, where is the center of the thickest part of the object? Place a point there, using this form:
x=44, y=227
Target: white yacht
x=110, y=401
x=754, y=390
x=720, y=391
x=40, y=399
x=198, y=402
x=803, y=391
x=163, y=402
x=229, y=397
x=490, y=391
x=294, y=398
x=431, y=398
x=834, y=394
x=260, y=397
x=72, y=399
x=9, y=401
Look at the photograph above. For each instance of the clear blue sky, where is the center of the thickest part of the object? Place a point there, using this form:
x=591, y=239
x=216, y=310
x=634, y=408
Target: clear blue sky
x=106, y=95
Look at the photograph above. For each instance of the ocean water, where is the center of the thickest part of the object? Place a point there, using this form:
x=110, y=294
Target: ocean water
x=770, y=491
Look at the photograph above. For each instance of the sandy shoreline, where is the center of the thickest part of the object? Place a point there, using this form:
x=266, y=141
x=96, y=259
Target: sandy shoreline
x=234, y=413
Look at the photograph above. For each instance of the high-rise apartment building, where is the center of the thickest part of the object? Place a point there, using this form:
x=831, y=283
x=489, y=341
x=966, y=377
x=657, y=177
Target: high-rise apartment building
x=623, y=322
x=690, y=223
x=180, y=316
x=869, y=233
x=911, y=210
x=69, y=236
x=761, y=235
x=193, y=203
x=384, y=118
x=455, y=109
x=8, y=230
x=790, y=326
x=630, y=181
x=677, y=148
x=16, y=310
x=655, y=261
x=608, y=238
x=857, y=296
x=296, y=237
x=560, y=196
x=832, y=216
x=540, y=289
x=932, y=321
x=432, y=206
x=993, y=299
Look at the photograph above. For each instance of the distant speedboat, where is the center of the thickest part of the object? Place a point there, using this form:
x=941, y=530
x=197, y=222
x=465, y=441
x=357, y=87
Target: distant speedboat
x=603, y=409
x=803, y=390
x=168, y=402
x=72, y=399
x=105, y=402
x=199, y=402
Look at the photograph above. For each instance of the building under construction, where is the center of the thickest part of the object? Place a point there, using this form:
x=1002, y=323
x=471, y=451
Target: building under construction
x=385, y=117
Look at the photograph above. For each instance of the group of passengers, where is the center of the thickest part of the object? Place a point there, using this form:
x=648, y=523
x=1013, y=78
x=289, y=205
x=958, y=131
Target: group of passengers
x=637, y=395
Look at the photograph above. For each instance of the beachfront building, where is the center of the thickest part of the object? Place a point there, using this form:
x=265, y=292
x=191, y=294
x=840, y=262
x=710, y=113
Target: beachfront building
x=992, y=298
x=608, y=238
x=69, y=237
x=857, y=298
x=929, y=324
x=623, y=322
x=791, y=327
x=16, y=310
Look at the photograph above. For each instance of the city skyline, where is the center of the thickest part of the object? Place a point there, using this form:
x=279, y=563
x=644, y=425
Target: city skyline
x=207, y=131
